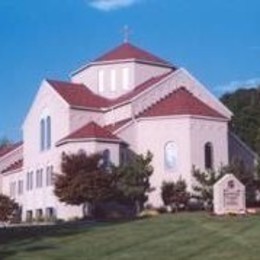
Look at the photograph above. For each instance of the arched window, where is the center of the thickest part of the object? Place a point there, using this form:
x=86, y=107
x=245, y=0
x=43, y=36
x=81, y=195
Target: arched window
x=171, y=156
x=208, y=154
x=48, y=132
x=106, y=158
x=45, y=133
x=42, y=134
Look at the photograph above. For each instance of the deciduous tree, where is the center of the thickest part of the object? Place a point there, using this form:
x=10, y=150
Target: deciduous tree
x=8, y=208
x=83, y=180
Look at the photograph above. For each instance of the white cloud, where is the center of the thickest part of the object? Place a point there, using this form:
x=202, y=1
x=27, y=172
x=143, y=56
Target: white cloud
x=234, y=85
x=110, y=5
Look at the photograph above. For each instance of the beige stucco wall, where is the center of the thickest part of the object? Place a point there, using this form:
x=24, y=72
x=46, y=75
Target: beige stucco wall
x=213, y=131
x=144, y=72
x=79, y=118
x=190, y=135
x=47, y=102
x=153, y=135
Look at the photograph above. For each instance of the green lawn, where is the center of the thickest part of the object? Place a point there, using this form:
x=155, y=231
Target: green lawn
x=194, y=236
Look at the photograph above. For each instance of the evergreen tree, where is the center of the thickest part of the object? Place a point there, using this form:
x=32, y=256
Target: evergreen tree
x=133, y=180
x=245, y=104
x=204, y=187
x=4, y=142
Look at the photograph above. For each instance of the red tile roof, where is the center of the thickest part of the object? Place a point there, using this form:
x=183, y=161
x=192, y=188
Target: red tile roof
x=14, y=166
x=78, y=94
x=139, y=89
x=128, y=51
x=90, y=131
x=81, y=96
x=9, y=148
x=180, y=102
x=117, y=125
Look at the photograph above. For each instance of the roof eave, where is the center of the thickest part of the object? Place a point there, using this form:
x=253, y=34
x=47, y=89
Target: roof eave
x=12, y=171
x=221, y=119
x=10, y=152
x=84, y=140
x=108, y=62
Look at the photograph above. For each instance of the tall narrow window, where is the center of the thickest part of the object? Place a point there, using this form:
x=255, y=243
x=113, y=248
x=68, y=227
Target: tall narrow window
x=125, y=78
x=48, y=132
x=49, y=176
x=42, y=134
x=208, y=154
x=29, y=181
x=39, y=178
x=12, y=189
x=113, y=80
x=171, y=156
x=20, y=187
x=101, y=81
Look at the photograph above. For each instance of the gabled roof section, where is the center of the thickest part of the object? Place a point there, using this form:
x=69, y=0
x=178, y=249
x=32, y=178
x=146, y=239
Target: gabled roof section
x=181, y=102
x=78, y=95
x=128, y=51
x=9, y=148
x=90, y=131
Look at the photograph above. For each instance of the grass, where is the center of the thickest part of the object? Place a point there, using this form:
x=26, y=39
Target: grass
x=195, y=236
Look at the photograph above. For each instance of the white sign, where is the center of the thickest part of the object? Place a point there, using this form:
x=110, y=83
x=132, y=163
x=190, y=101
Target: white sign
x=229, y=196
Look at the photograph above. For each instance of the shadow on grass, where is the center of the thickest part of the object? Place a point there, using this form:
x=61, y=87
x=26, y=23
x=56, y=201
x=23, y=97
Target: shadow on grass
x=16, y=239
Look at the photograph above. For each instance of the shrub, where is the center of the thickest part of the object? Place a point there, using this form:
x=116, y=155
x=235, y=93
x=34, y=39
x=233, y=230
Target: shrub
x=175, y=195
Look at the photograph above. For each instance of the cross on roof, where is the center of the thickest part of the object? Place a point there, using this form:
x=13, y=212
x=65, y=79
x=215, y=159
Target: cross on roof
x=127, y=32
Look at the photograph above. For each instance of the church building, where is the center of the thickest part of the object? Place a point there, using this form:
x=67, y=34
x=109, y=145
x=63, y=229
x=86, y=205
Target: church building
x=126, y=98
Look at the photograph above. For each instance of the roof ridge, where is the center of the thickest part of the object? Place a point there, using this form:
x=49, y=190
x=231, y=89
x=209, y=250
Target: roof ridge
x=126, y=51
x=176, y=107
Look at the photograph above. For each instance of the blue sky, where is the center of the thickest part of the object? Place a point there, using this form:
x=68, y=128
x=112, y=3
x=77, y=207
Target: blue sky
x=218, y=41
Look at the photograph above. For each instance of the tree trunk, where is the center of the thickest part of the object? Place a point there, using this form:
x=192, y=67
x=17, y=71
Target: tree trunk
x=137, y=207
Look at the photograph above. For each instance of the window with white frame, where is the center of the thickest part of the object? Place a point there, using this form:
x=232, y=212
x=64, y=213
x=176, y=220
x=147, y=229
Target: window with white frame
x=171, y=156
x=125, y=78
x=45, y=133
x=101, y=81
x=113, y=80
